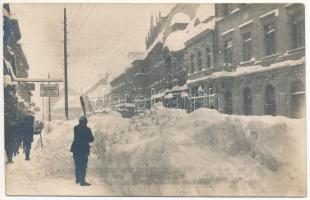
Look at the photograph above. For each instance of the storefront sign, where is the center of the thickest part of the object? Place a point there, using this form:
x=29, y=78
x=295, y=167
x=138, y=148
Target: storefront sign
x=49, y=90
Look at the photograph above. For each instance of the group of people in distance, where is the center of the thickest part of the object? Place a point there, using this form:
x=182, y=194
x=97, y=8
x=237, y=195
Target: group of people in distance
x=19, y=134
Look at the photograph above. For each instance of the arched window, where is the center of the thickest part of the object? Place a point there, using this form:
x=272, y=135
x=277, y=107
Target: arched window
x=270, y=100
x=199, y=60
x=228, y=106
x=297, y=99
x=247, y=101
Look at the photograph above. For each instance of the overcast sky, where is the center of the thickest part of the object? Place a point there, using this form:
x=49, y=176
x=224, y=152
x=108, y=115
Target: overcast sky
x=99, y=40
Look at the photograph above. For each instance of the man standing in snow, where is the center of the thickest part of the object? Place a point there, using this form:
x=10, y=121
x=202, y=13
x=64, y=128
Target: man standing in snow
x=27, y=129
x=80, y=149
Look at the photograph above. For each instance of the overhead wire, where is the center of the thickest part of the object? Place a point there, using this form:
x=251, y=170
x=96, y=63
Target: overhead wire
x=78, y=19
x=75, y=18
x=83, y=22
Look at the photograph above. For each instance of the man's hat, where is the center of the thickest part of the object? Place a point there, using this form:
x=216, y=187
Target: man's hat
x=82, y=119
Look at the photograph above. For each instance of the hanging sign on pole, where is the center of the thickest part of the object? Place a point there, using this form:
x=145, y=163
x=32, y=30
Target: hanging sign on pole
x=49, y=90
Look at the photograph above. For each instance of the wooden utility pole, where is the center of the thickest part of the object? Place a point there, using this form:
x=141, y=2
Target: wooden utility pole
x=65, y=64
x=49, y=105
x=42, y=120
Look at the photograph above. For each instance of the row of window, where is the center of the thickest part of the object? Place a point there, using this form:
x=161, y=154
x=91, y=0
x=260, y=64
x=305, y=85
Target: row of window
x=269, y=101
x=297, y=37
x=228, y=8
x=297, y=40
x=296, y=101
x=207, y=53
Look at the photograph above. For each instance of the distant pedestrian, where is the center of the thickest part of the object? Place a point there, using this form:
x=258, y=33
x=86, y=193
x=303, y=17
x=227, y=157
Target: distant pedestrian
x=10, y=130
x=80, y=149
x=27, y=131
x=18, y=138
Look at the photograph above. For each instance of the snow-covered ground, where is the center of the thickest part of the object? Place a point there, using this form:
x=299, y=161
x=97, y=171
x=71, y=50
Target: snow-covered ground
x=171, y=152
x=50, y=170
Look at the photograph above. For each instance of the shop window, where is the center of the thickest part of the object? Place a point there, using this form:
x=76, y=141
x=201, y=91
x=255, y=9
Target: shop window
x=247, y=101
x=270, y=100
x=194, y=91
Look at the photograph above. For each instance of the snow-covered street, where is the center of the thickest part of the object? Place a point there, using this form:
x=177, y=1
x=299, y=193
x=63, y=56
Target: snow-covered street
x=30, y=177
x=170, y=152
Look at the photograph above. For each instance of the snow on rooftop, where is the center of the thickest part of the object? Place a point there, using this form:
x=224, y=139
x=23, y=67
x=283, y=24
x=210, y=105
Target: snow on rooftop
x=175, y=41
x=180, y=18
x=159, y=95
x=193, y=31
x=159, y=39
x=204, y=11
x=73, y=102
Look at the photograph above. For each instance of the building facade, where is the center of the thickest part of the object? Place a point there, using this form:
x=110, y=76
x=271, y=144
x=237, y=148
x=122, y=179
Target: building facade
x=160, y=76
x=245, y=59
x=260, y=68
x=17, y=95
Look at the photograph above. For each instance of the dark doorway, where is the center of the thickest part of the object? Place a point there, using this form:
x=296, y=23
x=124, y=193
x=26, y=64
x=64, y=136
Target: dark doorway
x=228, y=109
x=247, y=101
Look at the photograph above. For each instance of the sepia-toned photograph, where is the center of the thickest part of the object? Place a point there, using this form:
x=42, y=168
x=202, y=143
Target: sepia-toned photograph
x=154, y=99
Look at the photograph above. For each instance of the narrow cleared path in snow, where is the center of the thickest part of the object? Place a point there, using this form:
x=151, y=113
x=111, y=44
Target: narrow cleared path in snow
x=29, y=178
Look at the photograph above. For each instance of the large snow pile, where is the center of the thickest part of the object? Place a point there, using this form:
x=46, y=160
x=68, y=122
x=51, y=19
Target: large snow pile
x=170, y=152
x=55, y=157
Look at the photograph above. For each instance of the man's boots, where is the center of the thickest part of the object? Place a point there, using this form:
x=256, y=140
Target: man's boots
x=27, y=155
x=83, y=182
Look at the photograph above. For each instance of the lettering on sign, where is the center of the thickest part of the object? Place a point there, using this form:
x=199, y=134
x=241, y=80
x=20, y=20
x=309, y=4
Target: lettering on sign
x=49, y=90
